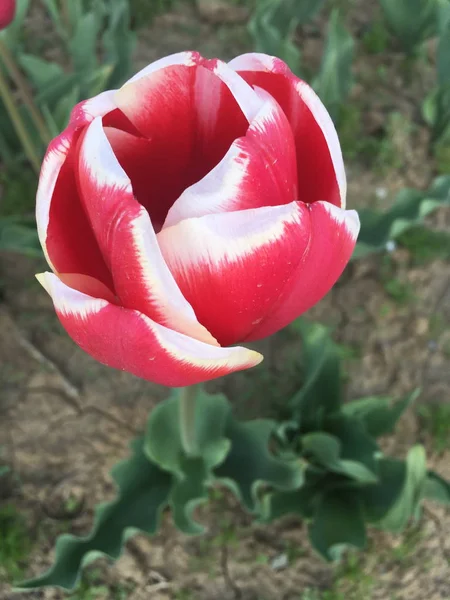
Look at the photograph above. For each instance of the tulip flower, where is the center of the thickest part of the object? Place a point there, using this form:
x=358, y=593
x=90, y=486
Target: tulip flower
x=7, y=12
x=199, y=206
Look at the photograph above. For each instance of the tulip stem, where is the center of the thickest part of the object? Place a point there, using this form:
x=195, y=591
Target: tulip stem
x=188, y=397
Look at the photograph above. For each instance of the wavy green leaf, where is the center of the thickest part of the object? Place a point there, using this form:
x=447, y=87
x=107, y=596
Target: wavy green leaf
x=436, y=488
x=250, y=464
x=379, y=415
x=408, y=501
x=143, y=493
x=338, y=523
x=321, y=393
x=236, y=454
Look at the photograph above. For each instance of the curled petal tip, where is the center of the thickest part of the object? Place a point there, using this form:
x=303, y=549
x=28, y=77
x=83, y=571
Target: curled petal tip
x=41, y=277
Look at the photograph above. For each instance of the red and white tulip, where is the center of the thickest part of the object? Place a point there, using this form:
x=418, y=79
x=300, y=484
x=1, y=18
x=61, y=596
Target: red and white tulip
x=7, y=12
x=199, y=206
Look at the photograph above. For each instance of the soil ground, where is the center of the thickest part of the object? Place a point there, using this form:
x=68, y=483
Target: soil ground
x=65, y=420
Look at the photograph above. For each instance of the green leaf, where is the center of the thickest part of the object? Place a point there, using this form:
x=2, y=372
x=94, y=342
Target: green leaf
x=163, y=441
x=279, y=504
x=334, y=80
x=191, y=475
x=411, y=21
x=406, y=504
x=83, y=45
x=377, y=414
x=119, y=42
x=284, y=12
x=409, y=209
x=237, y=454
x=321, y=393
x=338, y=523
x=377, y=500
x=251, y=465
x=356, y=444
x=271, y=39
x=40, y=72
x=436, y=488
x=326, y=450
x=143, y=492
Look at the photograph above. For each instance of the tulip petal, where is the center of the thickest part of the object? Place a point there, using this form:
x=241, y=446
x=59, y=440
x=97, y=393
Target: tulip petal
x=333, y=234
x=190, y=110
x=321, y=173
x=64, y=232
x=232, y=267
x=128, y=340
x=142, y=280
x=258, y=170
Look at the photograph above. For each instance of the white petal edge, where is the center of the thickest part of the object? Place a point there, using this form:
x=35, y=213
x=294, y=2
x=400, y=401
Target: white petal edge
x=181, y=347
x=56, y=155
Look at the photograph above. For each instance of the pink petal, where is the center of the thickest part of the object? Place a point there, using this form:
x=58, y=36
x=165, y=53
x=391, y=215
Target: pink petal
x=259, y=169
x=190, y=110
x=128, y=340
x=233, y=267
x=333, y=232
x=64, y=232
x=321, y=174
x=124, y=232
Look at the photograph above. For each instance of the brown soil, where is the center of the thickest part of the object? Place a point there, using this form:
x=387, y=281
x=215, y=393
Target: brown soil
x=65, y=420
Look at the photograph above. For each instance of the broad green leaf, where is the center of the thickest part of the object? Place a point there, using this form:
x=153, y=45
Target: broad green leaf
x=326, y=450
x=250, y=464
x=270, y=39
x=321, y=392
x=338, y=523
x=334, y=80
x=436, y=488
x=323, y=447
x=284, y=12
x=191, y=475
x=53, y=92
x=143, y=492
x=406, y=504
x=377, y=500
x=163, y=440
x=83, y=45
x=409, y=209
x=378, y=415
x=279, y=504
x=356, y=444
x=119, y=42
x=237, y=454
x=411, y=21
x=40, y=72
